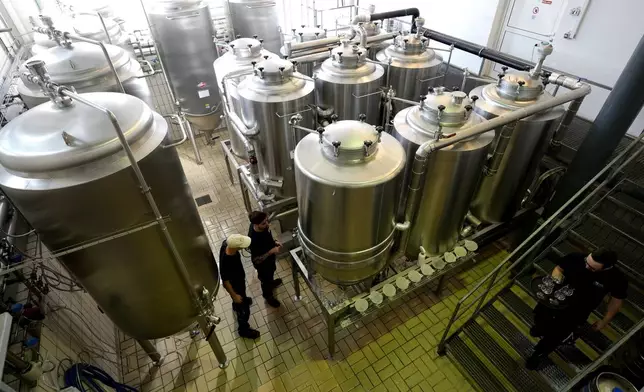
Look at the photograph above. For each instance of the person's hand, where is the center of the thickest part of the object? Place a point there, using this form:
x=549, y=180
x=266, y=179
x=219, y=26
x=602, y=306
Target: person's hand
x=275, y=250
x=238, y=299
x=599, y=325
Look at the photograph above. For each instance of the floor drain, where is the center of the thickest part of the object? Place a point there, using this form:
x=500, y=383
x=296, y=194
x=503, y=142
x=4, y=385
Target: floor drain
x=203, y=200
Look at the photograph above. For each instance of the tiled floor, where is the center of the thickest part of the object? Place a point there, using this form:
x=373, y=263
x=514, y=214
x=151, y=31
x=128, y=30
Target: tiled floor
x=395, y=352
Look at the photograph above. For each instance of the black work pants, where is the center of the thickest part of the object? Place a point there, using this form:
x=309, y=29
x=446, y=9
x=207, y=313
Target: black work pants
x=266, y=274
x=555, y=326
x=242, y=310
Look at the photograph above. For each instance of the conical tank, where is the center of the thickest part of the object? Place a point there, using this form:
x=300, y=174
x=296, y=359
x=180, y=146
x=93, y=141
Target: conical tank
x=504, y=184
x=66, y=172
x=451, y=173
x=347, y=179
x=243, y=55
x=84, y=67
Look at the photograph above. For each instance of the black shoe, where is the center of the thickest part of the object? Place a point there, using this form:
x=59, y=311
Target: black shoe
x=249, y=333
x=534, y=361
x=534, y=332
x=248, y=300
x=277, y=283
x=273, y=302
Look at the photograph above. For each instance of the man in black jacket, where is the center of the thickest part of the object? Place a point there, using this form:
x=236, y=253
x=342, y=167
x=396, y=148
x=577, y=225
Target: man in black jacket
x=263, y=251
x=592, y=276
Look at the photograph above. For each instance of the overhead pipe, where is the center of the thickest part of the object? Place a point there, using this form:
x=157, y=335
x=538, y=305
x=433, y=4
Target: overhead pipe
x=621, y=108
x=364, y=18
x=426, y=149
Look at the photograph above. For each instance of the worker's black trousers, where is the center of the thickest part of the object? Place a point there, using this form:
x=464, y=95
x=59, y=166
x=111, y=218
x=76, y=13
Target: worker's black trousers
x=242, y=310
x=554, y=326
x=266, y=274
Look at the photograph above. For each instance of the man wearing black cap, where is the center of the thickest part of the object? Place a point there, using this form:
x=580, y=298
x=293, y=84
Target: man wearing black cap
x=234, y=278
x=263, y=251
x=592, y=276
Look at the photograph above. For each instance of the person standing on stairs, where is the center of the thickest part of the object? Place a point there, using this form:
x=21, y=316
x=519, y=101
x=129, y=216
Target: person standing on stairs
x=233, y=277
x=263, y=251
x=592, y=276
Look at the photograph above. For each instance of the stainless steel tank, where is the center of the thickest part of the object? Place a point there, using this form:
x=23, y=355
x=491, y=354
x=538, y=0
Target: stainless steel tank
x=502, y=189
x=183, y=34
x=241, y=56
x=451, y=173
x=413, y=68
x=89, y=26
x=257, y=17
x=349, y=84
x=305, y=34
x=346, y=190
x=84, y=67
x=373, y=29
x=269, y=99
x=85, y=174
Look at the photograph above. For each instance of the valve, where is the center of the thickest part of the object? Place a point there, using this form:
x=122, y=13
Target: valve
x=253, y=63
x=334, y=118
x=336, y=147
x=320, y=132
x=362, y=117
x=265, y=57
x=379, y=129
x=255, y=36
x=367, y=144
x=422, y=100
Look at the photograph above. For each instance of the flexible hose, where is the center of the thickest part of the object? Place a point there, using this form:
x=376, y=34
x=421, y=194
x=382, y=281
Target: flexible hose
x=85, y=377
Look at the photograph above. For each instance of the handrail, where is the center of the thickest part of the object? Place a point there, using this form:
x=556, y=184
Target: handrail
x=547, y=227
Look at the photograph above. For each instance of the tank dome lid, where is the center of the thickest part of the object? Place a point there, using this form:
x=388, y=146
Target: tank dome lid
x=350, y=140
x=86, y=24
x=246, y=47
x=447, y=109
x=48, y=138
x=372, y=28
x=348, y=55
x=519, y=86
x=410, y=44
x=273, y=70
x=308, y=33
x=82, y=61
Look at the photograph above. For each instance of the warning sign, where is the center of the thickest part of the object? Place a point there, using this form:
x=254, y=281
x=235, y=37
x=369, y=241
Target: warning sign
x=546, y=1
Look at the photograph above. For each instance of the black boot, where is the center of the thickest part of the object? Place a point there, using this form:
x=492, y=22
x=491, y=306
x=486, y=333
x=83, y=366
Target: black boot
x=273, y=302
x=534, y=361
x=277, y=283
x=249, y=333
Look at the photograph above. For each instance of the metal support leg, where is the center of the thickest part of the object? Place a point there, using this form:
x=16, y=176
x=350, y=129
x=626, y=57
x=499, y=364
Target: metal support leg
x=151, y=350
x=230, y=172
x=296, y=281
x=191, y=136
x=244, y=193
x=210, y=336
x=439, y=287
x=330, y=328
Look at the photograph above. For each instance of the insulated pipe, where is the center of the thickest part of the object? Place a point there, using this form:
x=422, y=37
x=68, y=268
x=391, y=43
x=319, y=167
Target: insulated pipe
x=388, y=15
x=381, y=37
x=424, y=151
x=493, y=164
x=611, y=124
x=564, y=125
x=315, y=43
x=311, y=57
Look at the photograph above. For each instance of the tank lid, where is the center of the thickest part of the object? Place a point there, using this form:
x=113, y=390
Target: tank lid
x=519, y=86
x=273, y=70
x=410, y=44
x=246, y=47
x=82, y=61
x=348, y=55
x=441, y=109
x=48, y=138
x=350, y=140
x=90, y=25
x=371, y=28
x=308, y=33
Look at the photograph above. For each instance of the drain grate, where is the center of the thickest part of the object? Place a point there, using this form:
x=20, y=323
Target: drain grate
x=203, y=200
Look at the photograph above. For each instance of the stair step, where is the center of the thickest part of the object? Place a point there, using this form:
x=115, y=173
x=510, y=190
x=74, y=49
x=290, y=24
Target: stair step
x=463, y=356
x=554, y=375
x=621, y=323
x=598, y=341
x=514, y=371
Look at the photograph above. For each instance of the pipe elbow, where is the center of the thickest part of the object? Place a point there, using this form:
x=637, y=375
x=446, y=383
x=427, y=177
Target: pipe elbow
x=404, y=226
x=361, y=19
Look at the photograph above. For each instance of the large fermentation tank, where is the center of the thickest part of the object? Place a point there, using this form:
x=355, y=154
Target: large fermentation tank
x=183, y=34
x=269, y=99
x=373, y=30
x=500, y=193
x=349, y=84
x=84, y=67
x=413, y=69
x=346, y=192
x=257, y=17
x=241, y=56
x=452, y=173
x=75, y=187
x=306, y=34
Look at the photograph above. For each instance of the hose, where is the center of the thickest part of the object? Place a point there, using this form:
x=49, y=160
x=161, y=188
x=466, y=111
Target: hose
x=85, y=377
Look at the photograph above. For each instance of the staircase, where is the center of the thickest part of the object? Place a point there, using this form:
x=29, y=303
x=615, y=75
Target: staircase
x=491, y=346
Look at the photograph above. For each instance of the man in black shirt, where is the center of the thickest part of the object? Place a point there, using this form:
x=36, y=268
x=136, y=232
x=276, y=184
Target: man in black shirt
x=263, y=249
x=234, y=278
x=592, y=277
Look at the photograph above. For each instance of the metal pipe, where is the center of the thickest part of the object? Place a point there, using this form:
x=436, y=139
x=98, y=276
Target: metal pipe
x=4, y=210
x=145, y=189
x=323, y=55
x=107, y=33
x=611, y=124
x=184, y=135
x=151, y=350
x=286, y=213
x=493, y=164
x=564, y=125
x=307, y=52
x=193, y=140
x=315, y=43
x=381, y=37
x=413, y=12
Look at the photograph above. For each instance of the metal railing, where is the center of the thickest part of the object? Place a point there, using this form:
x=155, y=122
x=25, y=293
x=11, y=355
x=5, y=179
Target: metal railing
x=582, y=199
